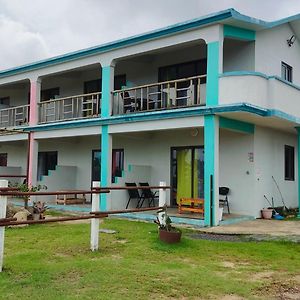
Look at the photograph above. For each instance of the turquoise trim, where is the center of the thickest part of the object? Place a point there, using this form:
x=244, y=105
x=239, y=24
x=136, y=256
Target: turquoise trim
x=105, y=159
x=106, y=94
x=243, y=73
x=239, y=33
x=129, y=168
x=236, y=125
x=298, y=139
x=212, y=85
x=150, y=116
x=209, y=167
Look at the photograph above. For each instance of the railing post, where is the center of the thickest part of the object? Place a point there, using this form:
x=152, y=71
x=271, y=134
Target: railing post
x=95, y=222
x=3, y=203
x=162, y=200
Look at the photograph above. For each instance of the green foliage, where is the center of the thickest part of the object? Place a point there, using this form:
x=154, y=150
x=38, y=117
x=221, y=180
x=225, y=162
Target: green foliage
x=54, y=262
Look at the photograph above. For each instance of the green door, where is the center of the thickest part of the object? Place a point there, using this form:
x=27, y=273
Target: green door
x=187, y=173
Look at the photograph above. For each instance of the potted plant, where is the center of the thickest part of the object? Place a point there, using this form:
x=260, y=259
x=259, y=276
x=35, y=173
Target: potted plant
x=267, y=213
x=167, y=233
x=38, y=210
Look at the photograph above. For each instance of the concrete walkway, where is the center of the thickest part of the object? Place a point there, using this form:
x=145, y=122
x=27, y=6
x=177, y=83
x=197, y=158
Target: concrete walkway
x=259, y=226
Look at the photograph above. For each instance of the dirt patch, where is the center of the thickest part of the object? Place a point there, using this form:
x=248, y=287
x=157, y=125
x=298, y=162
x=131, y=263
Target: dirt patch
x=281, y=290
x=228, y=264
x=232, y=297
x=262, y=275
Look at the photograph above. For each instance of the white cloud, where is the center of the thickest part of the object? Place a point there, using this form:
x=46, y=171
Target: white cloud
x=18, y=45
x=35, y=29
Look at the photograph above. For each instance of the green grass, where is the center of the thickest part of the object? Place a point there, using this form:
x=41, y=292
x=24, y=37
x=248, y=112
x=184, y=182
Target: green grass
x=54, y=262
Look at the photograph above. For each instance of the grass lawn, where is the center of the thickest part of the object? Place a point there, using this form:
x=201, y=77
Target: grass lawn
x=53, y=261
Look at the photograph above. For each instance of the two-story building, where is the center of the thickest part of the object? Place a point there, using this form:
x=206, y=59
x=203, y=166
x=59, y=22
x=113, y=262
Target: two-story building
x=210, y=102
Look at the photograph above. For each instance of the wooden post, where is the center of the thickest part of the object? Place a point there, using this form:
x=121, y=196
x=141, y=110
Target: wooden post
x=162, y=201
x=3, y=203
x=95, y=222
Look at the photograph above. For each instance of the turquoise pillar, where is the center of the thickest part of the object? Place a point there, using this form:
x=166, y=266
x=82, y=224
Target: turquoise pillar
x=298, y=136
x=211, y=170
x=106, y=138
x=211, y=138
x=212, y=82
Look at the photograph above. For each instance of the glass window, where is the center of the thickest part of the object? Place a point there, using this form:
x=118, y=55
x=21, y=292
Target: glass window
x=4, y=101
x=286, y=72
x=3, y=159
x=117, y=164
x=289, y=163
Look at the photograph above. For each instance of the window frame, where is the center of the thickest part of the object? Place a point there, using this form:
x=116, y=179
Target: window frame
x=286, y=72
x=289, y=163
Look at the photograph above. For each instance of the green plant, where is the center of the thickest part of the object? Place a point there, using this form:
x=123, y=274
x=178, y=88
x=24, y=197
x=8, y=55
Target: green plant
x=25, y=188
x=163, y=220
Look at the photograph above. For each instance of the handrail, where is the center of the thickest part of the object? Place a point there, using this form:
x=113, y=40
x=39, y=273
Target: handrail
x=15, y=115
x=69, y=97
x=158, y=83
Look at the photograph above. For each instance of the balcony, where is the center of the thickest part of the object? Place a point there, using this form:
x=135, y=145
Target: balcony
x=70, y=108
x=180, y=93
x=14, y=116
x=269, y=92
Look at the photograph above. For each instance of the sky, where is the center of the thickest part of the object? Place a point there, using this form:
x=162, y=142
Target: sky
x=32, y=30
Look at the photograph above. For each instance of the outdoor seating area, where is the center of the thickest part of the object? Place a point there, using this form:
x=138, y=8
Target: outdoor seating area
x=141, y=194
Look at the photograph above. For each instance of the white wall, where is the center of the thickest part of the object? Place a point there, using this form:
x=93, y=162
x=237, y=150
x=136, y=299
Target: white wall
x=237, y=171
x=271, y=49
x=17, y=93
x=269, y=161
x=16, y=154
x=238, y=55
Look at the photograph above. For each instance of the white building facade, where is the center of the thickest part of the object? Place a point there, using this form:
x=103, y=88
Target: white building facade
x=206, y=103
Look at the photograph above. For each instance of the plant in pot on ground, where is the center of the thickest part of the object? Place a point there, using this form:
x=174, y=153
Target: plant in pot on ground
x=167, y=233
x=38, y=210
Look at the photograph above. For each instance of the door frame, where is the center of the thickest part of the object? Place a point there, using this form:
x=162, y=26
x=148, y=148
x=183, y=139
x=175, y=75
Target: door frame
x=171, y=166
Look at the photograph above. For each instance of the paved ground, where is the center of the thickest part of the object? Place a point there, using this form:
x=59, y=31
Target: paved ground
x=259, y=226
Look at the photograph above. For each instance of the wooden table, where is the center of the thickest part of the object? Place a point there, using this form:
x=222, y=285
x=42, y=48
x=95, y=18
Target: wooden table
x=194, y=205
x=71, y=198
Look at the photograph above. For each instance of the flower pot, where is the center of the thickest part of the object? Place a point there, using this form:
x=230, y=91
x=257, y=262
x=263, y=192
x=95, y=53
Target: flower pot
x=267, y=213
x=169, y=237
x=36, y=217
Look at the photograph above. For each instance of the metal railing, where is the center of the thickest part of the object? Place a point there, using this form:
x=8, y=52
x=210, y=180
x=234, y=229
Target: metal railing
x=183, y=92
x=14, y=116
x=70, y=108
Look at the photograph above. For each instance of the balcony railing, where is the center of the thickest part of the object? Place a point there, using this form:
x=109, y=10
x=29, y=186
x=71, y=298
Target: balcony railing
x=178, y=93
x=14, y=116
x=70, y=108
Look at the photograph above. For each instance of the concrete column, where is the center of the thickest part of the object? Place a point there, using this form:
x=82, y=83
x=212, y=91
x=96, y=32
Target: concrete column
x=213, y=69
x=107, y=88
x=32, y=160
x=3, y=203
x=35, y=95
x=211, y=170
x=298, y=157
x=106, y=138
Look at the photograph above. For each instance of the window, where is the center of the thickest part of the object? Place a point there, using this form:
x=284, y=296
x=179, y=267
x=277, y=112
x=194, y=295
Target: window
x=4, y=101
x=49, y=94
x=94, y=86
x=46, y=161
x=117, y=164
x=3, y=159
x=286, y=72
x=289, y=163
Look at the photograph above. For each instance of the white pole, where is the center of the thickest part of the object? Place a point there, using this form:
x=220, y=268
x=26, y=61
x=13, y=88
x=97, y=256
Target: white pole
x=3, y=203
x=95, y=222
x=162, y=201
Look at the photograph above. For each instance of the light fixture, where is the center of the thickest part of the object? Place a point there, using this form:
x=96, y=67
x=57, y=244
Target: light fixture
x=291, y=40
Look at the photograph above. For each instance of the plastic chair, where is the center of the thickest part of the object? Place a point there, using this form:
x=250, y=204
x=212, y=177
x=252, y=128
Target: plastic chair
x=147, y=194
x=224, y=191
x=133, y=193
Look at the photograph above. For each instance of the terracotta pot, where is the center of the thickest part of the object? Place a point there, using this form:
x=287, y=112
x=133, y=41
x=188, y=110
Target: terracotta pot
x=267, y=213
x=169, y=237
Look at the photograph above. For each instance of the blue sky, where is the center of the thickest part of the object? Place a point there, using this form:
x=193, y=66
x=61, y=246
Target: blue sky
x=35, y=29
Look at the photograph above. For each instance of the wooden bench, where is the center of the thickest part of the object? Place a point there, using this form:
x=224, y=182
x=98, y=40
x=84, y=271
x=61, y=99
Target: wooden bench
x=71, y=198
x=194, y=205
